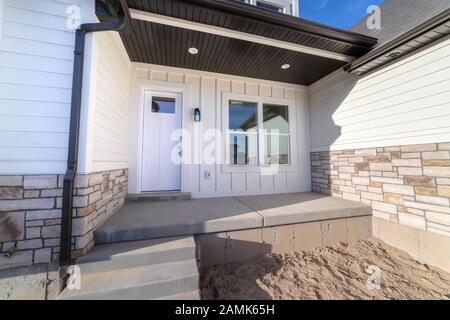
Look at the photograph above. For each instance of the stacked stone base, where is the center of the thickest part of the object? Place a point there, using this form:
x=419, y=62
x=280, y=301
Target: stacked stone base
x=30, y=213
x=408, y=185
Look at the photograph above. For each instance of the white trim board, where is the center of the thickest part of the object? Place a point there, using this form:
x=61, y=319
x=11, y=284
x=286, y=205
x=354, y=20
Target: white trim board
x=200, y=27
x=200, y=73
x=1, y=22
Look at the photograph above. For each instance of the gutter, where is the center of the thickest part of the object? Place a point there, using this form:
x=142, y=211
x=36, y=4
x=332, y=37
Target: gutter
x=291, y=22
x=72, y=159
x=387, y=49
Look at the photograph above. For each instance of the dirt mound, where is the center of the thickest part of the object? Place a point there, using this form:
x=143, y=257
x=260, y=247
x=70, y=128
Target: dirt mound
x=339, y=272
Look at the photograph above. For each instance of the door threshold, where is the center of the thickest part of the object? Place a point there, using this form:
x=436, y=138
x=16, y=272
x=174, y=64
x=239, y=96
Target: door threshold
x=159, y=196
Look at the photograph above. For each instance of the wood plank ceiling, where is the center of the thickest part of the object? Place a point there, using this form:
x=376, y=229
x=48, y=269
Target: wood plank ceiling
x=153, y=43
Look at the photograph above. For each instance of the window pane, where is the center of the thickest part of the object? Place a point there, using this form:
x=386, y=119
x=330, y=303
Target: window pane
x=276, y=118
x=243, y=149
x=276, y=149
x=163, y=105
x=242, y=116
x=269, y=6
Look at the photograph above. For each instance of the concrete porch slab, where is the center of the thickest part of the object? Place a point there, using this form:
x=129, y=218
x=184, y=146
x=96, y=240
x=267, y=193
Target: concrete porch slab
x=148, y=220
x=294, y=208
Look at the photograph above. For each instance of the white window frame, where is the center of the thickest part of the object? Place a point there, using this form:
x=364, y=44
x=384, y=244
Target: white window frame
x=260, y=101
x=283, y=7
x=288, y=6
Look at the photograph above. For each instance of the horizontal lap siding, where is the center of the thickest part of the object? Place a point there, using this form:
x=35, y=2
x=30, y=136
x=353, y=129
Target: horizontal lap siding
x=405, y=103
x=111, y=104
x=36, y=61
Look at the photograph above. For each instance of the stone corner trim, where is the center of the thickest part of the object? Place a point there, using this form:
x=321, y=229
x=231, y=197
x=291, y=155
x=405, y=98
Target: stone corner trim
x=30, y=213
x=409, y=185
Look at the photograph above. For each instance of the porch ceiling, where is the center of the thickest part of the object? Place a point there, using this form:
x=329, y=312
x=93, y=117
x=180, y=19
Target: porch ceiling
x=157, y=42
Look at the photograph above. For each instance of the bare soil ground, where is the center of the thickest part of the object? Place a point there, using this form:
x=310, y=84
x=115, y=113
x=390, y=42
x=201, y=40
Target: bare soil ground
x=338, y=272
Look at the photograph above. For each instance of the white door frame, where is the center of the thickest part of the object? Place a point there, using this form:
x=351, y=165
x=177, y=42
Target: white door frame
x=147, y=184
x=164, y=87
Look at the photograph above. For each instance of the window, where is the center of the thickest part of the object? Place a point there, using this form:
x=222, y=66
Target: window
x=243, y=128
x=269, y=6
x=163, y=105
x=281, y=6
x=276, y=134
x=246, y=122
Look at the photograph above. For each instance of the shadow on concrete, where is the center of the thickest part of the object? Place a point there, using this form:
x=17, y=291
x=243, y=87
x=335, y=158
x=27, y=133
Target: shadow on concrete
x=225, y=248
x=239, y=280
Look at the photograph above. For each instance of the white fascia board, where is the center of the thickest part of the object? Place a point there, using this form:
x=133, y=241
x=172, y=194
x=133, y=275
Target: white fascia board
x=200, y=27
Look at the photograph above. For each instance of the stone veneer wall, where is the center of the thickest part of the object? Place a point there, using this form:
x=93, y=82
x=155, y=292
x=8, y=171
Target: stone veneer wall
x=409, y=185
x=30, y=213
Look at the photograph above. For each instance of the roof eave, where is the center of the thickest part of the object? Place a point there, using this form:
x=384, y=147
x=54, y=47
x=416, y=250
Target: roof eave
x=359, y=66
x=288, y=21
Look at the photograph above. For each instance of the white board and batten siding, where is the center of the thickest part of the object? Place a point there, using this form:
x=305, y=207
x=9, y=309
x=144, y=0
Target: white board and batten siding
x=407, y=102
x=206, y=91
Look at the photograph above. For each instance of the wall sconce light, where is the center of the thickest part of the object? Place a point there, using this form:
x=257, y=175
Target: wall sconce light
x=197, y=115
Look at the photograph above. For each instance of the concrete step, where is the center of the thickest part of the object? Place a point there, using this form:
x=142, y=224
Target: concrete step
x=159, y=196
x=108, y=257
x=138, y=283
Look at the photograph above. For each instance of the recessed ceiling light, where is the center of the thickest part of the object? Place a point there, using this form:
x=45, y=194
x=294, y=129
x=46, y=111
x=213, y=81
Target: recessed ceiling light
x=193, y=50
x=394, y=55
x=285, y=66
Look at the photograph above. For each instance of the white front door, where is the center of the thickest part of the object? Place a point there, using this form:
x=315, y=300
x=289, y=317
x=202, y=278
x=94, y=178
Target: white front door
x=161, y=154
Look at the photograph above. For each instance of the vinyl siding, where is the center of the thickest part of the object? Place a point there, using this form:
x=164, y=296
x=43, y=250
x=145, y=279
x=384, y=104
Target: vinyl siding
x=36, y=58
x=109, y=132
x=206, y=91
x=405, y=103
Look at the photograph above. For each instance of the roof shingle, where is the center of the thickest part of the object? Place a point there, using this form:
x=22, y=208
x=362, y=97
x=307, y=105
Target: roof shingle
x=400, y=16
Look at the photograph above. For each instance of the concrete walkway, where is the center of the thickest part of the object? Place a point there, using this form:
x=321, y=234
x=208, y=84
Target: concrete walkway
x=147, y=220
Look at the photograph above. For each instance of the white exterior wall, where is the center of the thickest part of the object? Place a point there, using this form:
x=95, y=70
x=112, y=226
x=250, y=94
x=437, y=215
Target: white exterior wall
x=206, y=90
x=104, y=136
x=36, y=59
x=405, y=103
x=36, y=64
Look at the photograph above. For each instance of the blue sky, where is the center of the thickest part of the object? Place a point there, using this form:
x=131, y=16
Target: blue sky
x=337, y=13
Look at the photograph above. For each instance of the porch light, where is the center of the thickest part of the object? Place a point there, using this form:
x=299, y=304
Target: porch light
x=193, y=50
x=197, y=115
x=285, y=66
